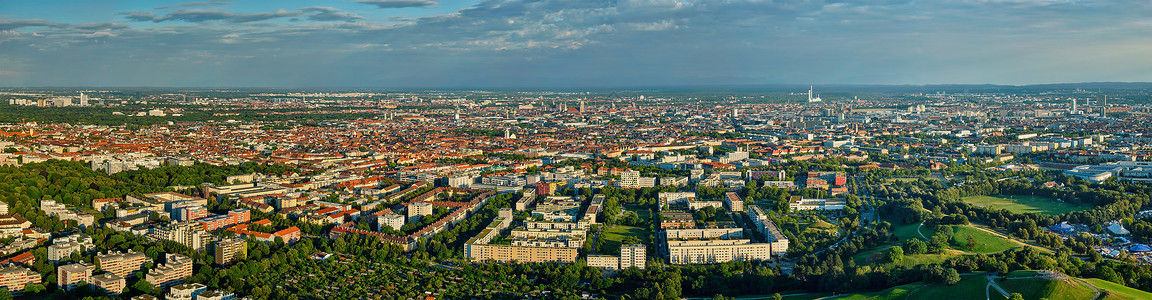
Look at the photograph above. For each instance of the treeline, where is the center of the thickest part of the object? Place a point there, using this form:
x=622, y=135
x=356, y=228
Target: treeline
x=198, y=173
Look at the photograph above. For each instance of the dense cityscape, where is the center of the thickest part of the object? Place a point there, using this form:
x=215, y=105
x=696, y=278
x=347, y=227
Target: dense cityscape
x=575, y=149
x=787, y=193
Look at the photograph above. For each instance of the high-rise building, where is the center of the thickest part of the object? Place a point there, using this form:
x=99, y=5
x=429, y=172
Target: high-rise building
x=226, y=251
x=69, y=276
x=633, y=255
x=122, y=264
x=83, y=99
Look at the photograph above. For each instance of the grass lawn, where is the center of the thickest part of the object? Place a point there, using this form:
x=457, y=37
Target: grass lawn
x=898, y=292
x=819, y=225
x=905, y=232
x=969, y=287
x=1117, y=291
x=1039, y=288
x=876, y=257
x=1026, y=204
x=613, y=236
x=985, y=242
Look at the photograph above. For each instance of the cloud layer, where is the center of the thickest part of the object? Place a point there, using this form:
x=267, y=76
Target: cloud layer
x=556, y=43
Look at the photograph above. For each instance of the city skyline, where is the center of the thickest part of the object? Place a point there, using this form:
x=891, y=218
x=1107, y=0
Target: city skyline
x=425, y=43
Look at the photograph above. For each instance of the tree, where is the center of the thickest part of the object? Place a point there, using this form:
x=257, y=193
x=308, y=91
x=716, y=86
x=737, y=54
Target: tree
x=915, y=246
x=143, y=286
x=1017, y=296
x=777, y=296
x=34, y=288
x=951, y=277
x=971, y=243
x=895, y=254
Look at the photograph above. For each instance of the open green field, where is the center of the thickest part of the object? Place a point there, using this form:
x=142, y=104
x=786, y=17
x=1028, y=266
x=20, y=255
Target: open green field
x=898, y=292
x=905, y=232
x=819, y=225
x=1039, y=288
x=875, y=256
x=614, y=235
x=1025, y=204
x=1117, y=291
x=969, y=287
x=985, y=242
x=973, y=287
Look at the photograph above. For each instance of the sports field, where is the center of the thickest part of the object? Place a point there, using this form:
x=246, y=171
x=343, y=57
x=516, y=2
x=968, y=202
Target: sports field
x=1025, y=204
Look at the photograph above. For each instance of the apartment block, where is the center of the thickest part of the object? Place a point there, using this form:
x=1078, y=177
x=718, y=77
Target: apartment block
x=122, y=264
x=390, y=220
x=225, y=251
x=191, y=234
x=69, y=276
x=633, y=255
x=716, y=251
x=506, y=253
x=187, y=291
x=16, y=278
x=109, y=282
x=419, y=209
x=175, y=269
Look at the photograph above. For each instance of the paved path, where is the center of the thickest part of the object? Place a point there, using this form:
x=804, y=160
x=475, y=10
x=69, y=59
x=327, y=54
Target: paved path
x=921, y=233
x=992, y=283
x=1094, y=289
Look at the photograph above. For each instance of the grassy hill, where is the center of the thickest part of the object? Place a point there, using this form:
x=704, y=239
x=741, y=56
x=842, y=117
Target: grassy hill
x=973, y=287
x=1117, y=291
x=985, y=242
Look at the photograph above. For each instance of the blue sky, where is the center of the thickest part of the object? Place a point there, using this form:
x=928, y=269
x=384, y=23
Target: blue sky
x=571, y=43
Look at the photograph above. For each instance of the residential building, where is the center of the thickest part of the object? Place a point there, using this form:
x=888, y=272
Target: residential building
x=733, y=202
x=189, y=213
x=226, y=250
x=109, y=282
x=608, y=262
x=633, y=255
x=799, y=203
x=419, y=209
x=16, y=278
x=122, y=264
x=175, y=269
x=394, y=221
x=216, y=295
x=69, y=276
x=187, y=291
x=716, y=251
x=191, y=234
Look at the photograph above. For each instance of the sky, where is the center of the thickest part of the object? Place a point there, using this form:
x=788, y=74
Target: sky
x=570, y=43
